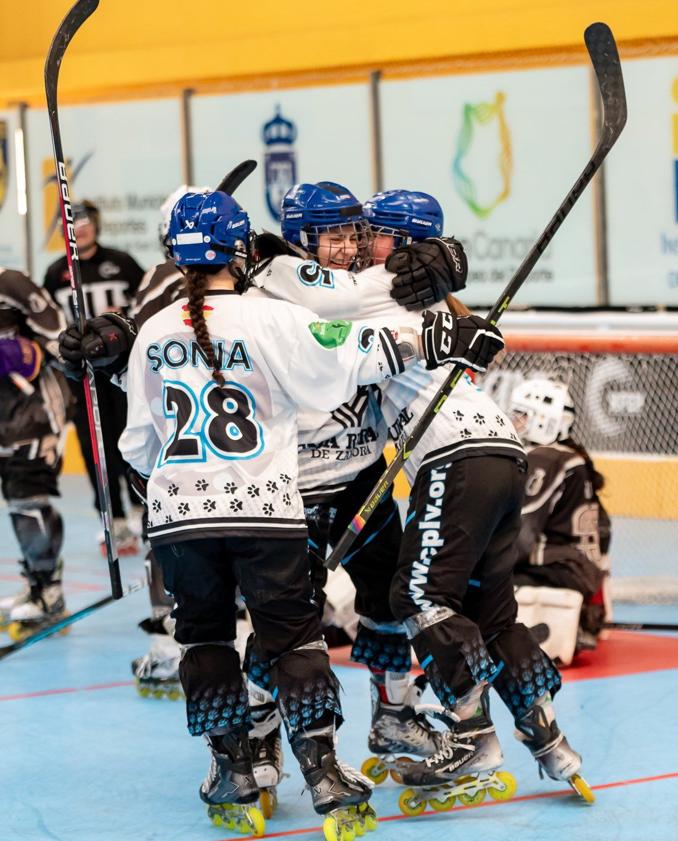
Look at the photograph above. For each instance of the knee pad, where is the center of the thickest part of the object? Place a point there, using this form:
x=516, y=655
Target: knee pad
x=216, y=695
x=556, y=608
x=524, y=672
x=39, y=530
x=382, y=646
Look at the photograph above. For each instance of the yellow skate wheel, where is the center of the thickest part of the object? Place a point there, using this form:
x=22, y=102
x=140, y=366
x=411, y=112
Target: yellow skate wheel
x=582, y=788
x=472, y=799
x=509, y=786
x=144, y=691
x=373, y=768
x=16, y=631
x=255, y=823
x=331, y=829
x=410, y=804
x=442, y=805
x=175, y=694
x=158, y=694
x=267, y=802
x=396, y=776
x=367, y=817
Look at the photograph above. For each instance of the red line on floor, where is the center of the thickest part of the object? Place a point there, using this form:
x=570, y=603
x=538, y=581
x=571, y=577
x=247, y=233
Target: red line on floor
x=486, y=803
x=66, y=690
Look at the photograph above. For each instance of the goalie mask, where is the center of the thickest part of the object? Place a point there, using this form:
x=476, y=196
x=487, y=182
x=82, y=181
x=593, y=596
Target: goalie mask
x=208, y=230
x=542, y=411
x=326, y=220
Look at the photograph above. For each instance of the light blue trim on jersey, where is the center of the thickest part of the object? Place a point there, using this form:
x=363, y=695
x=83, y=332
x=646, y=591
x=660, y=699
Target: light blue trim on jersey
x=211, y=415
x=316, y=275
x=187, y=432
x=426, y=661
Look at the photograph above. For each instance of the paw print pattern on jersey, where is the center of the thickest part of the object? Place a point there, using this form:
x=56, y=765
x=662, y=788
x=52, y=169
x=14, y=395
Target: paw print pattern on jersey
x=236, y=505
x=500, y=420
x=479, y=419
x=268, y=509
x=285, y=478
x=287, y=500
x=209, y=505
x=173, y=489
x=230, y=487
x=201, y=485
x=156, y=506
x=184, y=508
x=253, y=490
x=271, y=486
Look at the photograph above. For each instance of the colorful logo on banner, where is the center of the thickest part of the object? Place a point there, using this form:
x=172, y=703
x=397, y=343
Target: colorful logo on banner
x=4, y=162
x=675, y=146
x=280, y=164
x=51, y=213
x=475, y=118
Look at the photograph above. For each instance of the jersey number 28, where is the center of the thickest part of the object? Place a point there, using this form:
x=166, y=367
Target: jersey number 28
x=221, y=420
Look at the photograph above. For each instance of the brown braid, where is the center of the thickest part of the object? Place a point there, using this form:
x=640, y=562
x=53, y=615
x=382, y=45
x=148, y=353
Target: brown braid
x=196, y=285
x=456, y=306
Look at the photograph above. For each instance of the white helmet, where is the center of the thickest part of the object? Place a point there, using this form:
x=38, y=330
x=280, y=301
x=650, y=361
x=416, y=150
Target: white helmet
x=542, y=411
x=168, y=204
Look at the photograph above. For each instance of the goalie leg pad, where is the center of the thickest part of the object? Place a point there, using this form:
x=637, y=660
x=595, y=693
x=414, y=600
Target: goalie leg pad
x=559, y=610
x=39, y=530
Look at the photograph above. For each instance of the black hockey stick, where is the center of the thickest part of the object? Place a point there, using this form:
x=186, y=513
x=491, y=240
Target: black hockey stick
x=55, y=627
x=67, y=29
x=233, y=179
x=603, y=52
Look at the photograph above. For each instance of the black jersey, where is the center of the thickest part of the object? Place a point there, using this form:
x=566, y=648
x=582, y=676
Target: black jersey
x=160, y=286
x=562, y=515
x=26, y=310
x=110, y=279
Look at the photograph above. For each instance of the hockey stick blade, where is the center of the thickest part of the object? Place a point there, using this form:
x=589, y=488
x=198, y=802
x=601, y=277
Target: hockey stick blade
x=605, y=59
x=233, y=179
x=75, y=18
x=49, y=630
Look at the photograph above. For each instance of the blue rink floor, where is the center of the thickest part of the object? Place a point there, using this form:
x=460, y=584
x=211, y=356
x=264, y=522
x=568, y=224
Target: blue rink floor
x=83, y=758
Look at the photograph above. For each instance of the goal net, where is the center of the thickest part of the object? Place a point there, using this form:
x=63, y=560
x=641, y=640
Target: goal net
x=625, y=390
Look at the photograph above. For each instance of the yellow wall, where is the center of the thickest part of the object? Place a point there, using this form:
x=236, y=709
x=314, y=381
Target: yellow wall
x=147, y=46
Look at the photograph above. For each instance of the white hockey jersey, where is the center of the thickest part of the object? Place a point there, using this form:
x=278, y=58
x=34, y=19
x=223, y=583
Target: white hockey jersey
x=469, y=422
x=224, y=460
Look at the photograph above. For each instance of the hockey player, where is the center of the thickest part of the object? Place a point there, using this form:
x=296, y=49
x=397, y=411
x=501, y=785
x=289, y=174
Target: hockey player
x=564, y=534
x=109, y=280
x=34, y=400
x=453, y=589
x=224, y=508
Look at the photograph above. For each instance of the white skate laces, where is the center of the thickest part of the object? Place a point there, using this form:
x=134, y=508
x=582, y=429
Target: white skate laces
x=449, y=745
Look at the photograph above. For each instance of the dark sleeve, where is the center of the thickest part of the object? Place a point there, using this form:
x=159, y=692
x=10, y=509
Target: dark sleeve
x=543, y=483
x=42, y=317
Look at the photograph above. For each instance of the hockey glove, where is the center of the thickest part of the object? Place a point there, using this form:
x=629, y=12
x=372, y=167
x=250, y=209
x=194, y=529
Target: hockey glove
x=108, y=341
x=21, y=356
x=469, y=340
x=268, y=245
x=70, y=353
x=427, y=271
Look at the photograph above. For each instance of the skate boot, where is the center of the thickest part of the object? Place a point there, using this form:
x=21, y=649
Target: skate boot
x=126, y=542
x=229, y=789
x=465, y=766
x=43, y=607
x=339, y=792
x=539, y=731
x=397, y=727
x=266, y=747
x=8, y=603
x=157, y=673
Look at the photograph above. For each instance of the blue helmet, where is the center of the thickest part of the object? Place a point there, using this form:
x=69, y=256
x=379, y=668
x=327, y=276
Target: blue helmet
x=208, y=229
x=408, y=215
x=308, y=209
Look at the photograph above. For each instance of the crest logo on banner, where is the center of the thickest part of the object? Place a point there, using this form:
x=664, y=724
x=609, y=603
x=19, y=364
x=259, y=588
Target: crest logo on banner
x=280, y=163
x=675, y=146
x=53, y=240
x=4, y=162
x=476, y=122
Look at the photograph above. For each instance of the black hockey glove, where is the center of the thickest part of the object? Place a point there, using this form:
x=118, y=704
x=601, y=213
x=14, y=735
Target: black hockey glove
x=108, y=341
x=469, y=340
x=70, y=353
x=427, y=271
x=137, y=485
x=268, y=245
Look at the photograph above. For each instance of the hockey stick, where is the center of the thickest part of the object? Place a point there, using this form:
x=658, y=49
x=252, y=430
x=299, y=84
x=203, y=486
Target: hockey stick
x=233, y=179
x=603, y=52
x=69, y=26
x=639, y=626
x=55, y=627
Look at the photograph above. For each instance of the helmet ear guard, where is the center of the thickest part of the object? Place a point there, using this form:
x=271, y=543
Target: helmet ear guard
x=542, y=411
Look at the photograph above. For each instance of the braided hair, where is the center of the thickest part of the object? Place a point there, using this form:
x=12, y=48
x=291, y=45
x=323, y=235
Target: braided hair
x=196, y=286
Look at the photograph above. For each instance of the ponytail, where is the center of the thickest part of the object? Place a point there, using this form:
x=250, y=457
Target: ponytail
x=597, y=479
x=456, y=307
x=196, y=285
